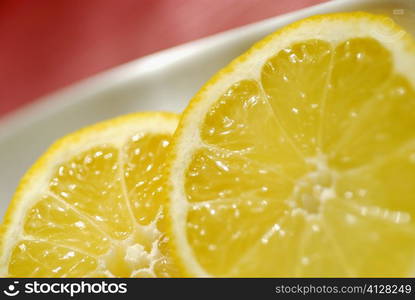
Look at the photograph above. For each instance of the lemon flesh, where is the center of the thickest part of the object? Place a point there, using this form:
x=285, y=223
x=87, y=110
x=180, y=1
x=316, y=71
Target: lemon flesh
x=305, y=170
x=90, y=207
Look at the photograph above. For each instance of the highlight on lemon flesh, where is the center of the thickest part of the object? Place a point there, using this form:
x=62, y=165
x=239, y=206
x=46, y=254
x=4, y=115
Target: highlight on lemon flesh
x=90, y=206
x=298, y=159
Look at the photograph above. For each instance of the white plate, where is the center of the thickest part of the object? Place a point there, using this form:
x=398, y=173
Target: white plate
x=162, y=81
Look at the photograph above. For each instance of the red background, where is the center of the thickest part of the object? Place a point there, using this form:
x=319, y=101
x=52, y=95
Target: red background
x=48, y=44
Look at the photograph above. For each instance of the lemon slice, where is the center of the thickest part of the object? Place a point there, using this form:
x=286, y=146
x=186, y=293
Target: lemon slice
x=298, y=159
x=90, y=206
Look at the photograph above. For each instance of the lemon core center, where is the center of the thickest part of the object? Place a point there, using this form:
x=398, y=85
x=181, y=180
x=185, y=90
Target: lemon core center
x=314, y=188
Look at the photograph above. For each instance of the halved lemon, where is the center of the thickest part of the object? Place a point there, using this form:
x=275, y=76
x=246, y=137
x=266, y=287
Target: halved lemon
x=298, y=159
x=90, y=206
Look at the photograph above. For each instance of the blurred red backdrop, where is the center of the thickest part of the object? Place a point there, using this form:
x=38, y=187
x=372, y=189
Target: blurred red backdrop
x=48, y=44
